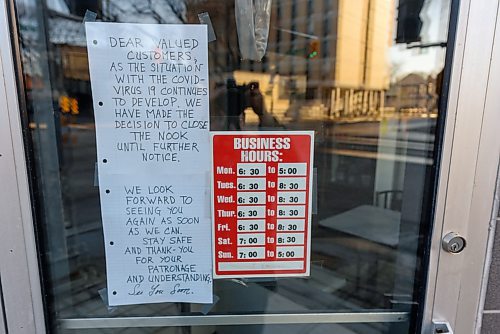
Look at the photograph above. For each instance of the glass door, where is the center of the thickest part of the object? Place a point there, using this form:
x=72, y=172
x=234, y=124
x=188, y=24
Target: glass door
x=368, y=77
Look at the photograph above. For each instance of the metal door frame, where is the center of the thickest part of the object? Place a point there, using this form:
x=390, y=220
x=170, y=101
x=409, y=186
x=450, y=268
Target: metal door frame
x=464, y=187
x=19, y=274
x=468, y=171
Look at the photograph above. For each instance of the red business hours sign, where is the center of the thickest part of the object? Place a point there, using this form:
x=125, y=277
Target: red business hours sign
x=261, y=203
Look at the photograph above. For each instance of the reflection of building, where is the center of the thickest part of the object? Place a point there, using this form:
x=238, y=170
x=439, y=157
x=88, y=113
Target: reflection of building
x=350, y=71
x=412, y=94
x=361, y=72
x=346, y=76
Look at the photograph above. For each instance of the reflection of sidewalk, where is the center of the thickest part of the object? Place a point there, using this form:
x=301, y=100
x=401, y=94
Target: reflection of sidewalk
x=379, y=156
x=319, y=114
x=82, y=126
x=379, y=118
x=408, y=140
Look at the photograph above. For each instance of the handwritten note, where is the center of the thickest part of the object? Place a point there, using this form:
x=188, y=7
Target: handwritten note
x=156, y=239
x=150, y=91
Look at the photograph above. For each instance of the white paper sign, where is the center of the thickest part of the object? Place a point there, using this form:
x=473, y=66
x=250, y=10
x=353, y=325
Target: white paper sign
x=156, y=240
x=150, y=93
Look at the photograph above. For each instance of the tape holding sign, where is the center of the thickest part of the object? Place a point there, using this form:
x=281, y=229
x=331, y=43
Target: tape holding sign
x=261, y=203
x=150, y=92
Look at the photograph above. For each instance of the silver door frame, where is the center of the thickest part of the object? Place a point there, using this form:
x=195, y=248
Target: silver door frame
x=19, y=274
x=468, y=171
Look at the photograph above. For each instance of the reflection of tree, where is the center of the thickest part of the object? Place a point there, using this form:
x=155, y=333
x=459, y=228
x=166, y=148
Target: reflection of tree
x=64, y=24
x=413, y=93
x=149, y=11
x=28, y=35
x=394, y=69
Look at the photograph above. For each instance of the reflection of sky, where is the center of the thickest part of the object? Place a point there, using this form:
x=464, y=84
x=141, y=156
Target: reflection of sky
x=429, y=60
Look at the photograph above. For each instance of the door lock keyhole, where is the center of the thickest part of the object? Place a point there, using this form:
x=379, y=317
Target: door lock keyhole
x=453, y=243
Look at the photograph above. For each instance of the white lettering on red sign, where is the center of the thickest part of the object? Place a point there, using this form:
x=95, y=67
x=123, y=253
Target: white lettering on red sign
x=261, y=203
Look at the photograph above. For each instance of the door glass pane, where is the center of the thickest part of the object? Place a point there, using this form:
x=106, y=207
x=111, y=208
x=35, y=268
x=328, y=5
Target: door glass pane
x=365, y=75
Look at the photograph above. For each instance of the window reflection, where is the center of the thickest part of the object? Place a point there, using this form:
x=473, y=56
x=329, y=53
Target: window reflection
x=330, y=66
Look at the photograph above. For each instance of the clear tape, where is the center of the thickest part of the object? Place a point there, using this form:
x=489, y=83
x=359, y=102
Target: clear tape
x=205, y=19
x=208, y=307
x=90, y=16
x=103, y=293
